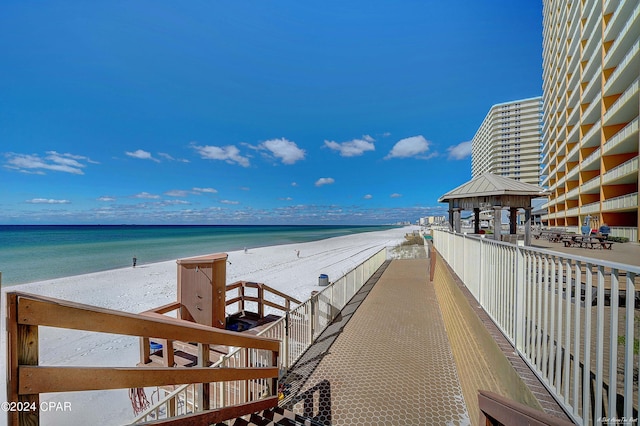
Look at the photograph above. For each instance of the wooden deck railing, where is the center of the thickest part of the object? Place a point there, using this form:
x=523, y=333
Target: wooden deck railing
x=259, y=298
x=27, y=379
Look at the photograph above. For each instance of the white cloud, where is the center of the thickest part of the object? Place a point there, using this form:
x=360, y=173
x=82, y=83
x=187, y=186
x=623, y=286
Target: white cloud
x=54, y=161
x=325, y=181
x=395, y=195
x=47, y=201
x=368, y=197
x=205, y=190
x=414, y=146
x=142, y=155
x=352, y=148
x=146, y=195
x=460, y=151
x=285, y=199
x=229, y=153
x=294, y=183
x=106, y=199
x=286, y=150
x=170, y=158
x=229, y=202
x=177, y=193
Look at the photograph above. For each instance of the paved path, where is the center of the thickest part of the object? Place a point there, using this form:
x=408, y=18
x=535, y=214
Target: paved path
x=386, y=360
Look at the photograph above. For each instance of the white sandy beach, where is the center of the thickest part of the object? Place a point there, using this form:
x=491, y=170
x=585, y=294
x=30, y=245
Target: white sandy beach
x=152, y=285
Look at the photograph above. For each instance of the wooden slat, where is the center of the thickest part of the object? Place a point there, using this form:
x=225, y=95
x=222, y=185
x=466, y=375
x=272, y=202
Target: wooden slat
x=41, y=379
x=28, y=355
x=279, y=293
x=165, y=308
x=494, y=407
x=235, y=285
x=275, y=305
x=12, y=354
x=234, y=300
x=220, y=415
x=39, y=310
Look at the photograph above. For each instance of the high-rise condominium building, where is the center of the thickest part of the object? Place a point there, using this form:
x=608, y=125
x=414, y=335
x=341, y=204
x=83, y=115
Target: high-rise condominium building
x=508, y=141
x=591, y=65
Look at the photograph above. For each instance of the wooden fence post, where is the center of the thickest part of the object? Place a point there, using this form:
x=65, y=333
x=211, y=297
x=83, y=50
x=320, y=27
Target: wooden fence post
x=22, y=347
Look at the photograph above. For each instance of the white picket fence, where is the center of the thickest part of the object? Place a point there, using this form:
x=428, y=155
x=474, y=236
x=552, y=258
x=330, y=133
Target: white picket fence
x=572, y=319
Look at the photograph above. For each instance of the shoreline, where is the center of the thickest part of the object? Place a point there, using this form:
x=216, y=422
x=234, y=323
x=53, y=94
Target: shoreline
x=151, y=285
x=69, y=250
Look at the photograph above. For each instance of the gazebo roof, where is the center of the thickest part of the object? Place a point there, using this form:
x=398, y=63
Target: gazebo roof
x=490, y=185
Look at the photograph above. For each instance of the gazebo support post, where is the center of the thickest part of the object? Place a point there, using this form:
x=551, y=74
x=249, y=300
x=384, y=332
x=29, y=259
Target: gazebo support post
x=456, y=220
x=451, y=224
x=476, y=219
x=513, y=220
x=497, y=222
x=527, y=226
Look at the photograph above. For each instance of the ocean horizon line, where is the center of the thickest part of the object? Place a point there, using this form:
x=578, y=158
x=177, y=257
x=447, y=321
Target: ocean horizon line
x=37, y=252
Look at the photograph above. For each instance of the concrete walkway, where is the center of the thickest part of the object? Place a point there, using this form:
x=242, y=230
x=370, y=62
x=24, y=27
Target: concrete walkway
x=386, y=360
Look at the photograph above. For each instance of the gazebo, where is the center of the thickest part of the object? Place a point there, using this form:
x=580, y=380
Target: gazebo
x=493, y=192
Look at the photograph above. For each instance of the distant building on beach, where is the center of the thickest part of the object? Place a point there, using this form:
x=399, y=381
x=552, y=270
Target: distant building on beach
x=591, y=58
x=432, y=220
x=508, y=141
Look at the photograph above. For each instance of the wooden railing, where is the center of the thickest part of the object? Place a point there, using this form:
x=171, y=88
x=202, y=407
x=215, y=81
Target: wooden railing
x=496, y=410
x=259, y=298
x=27, y=379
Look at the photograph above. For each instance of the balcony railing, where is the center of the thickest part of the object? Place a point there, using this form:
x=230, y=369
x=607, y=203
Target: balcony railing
x=622, y=136
x=628, y=97
x=622, y=170
x=628, y=201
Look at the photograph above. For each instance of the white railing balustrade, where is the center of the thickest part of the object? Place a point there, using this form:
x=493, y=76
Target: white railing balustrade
x=297, y=331
x=573, y=319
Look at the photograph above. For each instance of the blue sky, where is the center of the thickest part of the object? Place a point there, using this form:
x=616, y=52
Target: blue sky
x=235, y=112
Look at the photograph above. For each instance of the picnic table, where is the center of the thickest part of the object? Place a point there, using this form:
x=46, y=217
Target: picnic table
x=587, y=242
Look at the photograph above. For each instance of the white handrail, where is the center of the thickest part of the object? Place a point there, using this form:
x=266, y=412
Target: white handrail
x=571, y=318
x=297, y=332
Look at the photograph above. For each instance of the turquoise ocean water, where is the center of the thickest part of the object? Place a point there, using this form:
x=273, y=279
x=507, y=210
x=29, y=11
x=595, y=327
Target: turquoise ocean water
x=31, y=253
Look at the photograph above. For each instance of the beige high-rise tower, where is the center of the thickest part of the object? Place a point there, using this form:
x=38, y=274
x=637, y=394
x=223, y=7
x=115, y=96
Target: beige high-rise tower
x=508, y=141
x=591, y=69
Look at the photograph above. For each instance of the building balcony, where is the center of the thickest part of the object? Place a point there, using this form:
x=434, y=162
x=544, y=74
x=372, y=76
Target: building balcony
x=625, y=71
x=573, y=117
x=625, y=36
x=573, y=134
x=571, y=212
x=575, y=74
x=573, y=154
x=591, y=186
x=624, y=173
x=625, y=108
x=592, y=137
x=590, y=208
x=574, y=98
x=626, y=140
x=561, y=181
x=590, y=29
x=572, y=173
x=573, y=194
x=592, y=113
x=592, y=90
x=625, y=202
x=592, y=161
